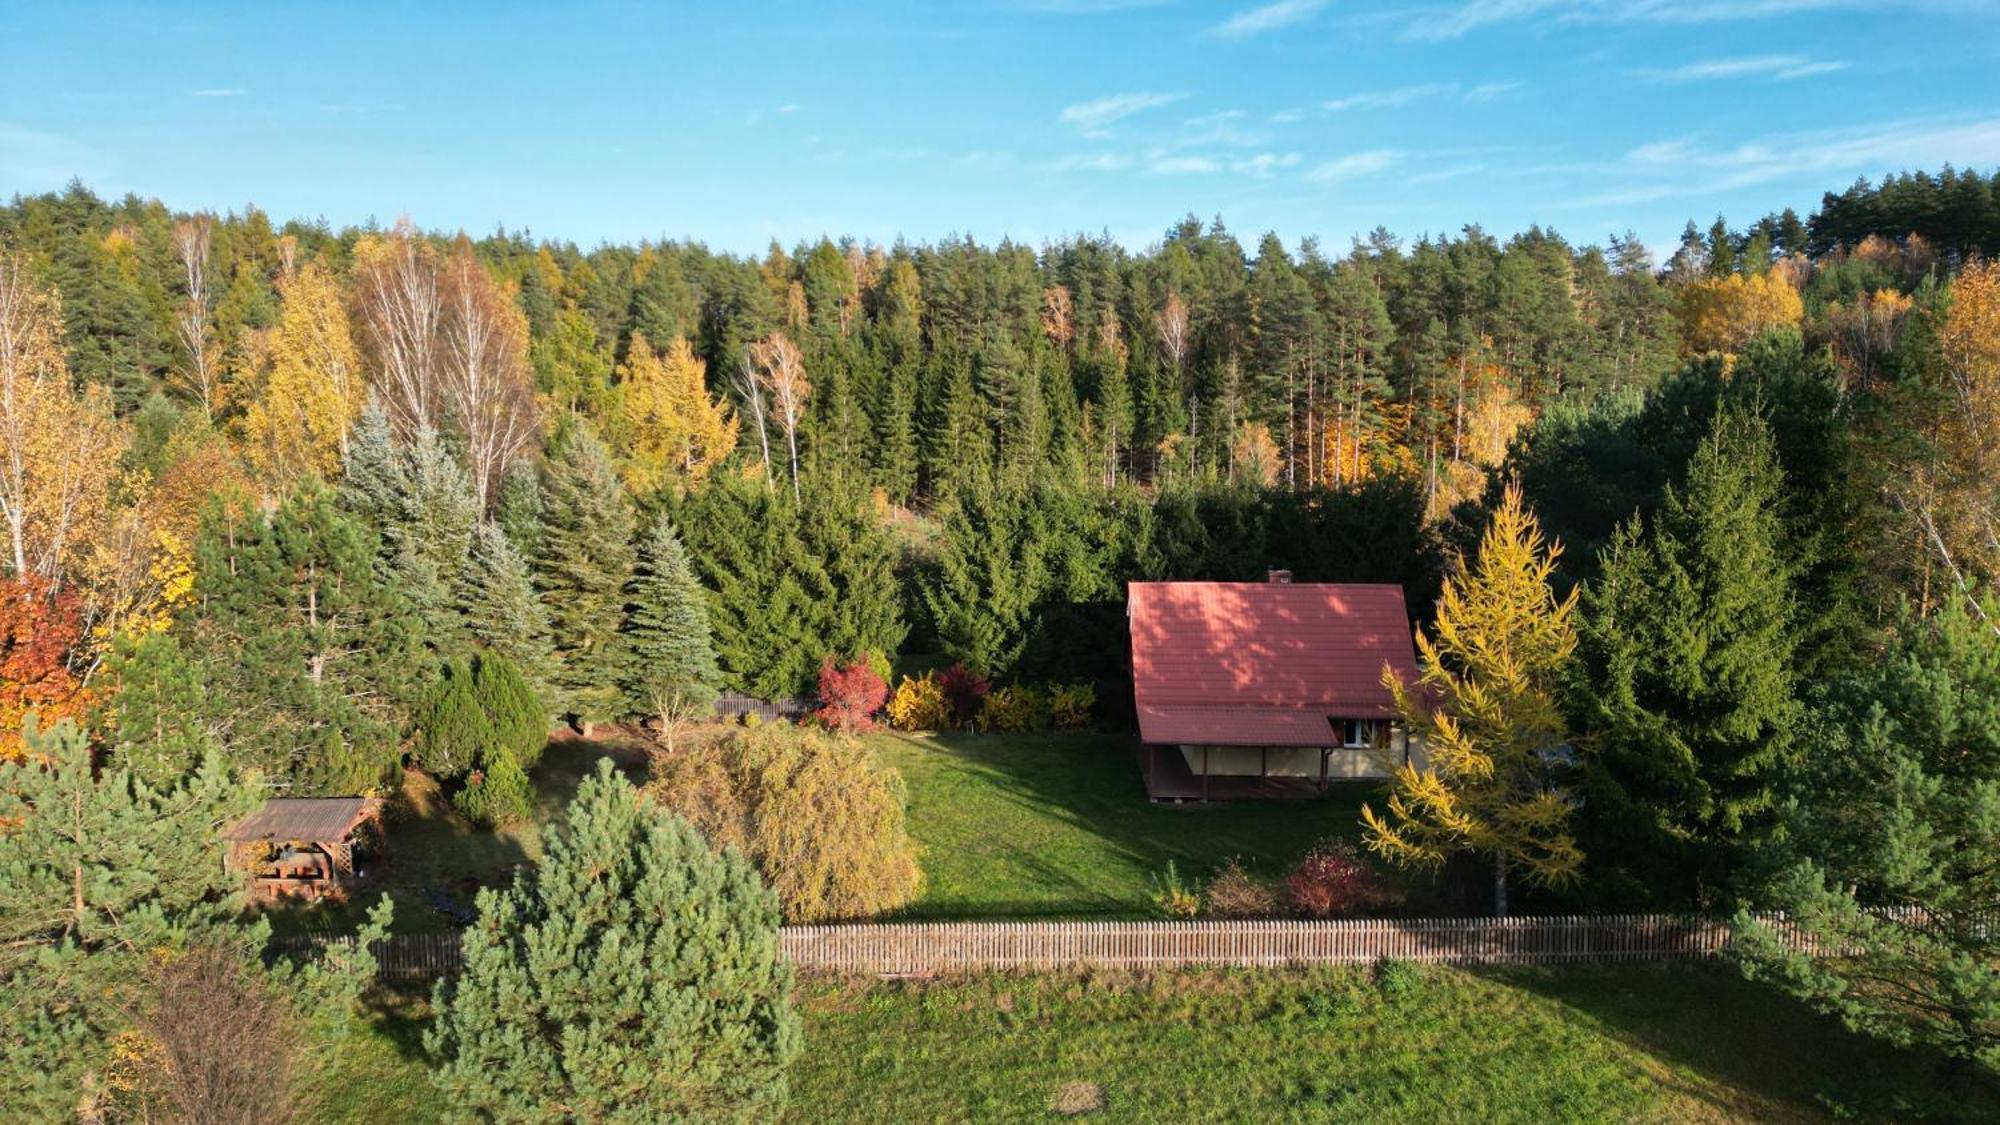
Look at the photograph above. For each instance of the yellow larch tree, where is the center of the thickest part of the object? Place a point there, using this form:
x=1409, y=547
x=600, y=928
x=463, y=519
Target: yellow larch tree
x=1485, y=711
x=673, y=428
x=297, y=425
x=1724, y=314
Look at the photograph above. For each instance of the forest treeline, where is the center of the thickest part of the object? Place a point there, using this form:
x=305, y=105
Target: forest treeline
x=266, y=484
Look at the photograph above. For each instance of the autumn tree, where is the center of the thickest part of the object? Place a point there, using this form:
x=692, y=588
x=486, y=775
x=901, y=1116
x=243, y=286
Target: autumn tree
x=59, y=449
x=781, y=374
x=1485, y=713
x=485, y=390
x=194, y=321
x=400, y=305
x=669, y=422
x=1725, y=313
x=39, y=631
x=297, y=424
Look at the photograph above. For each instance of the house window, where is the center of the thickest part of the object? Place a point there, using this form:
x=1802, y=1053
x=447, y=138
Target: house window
x=1357, y=734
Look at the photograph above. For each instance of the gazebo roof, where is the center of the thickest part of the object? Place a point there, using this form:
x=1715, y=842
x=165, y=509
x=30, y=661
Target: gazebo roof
x=324, y=820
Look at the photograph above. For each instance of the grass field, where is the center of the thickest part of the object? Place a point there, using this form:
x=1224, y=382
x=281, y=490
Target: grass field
x=1613, y=1043
x=1059, y=825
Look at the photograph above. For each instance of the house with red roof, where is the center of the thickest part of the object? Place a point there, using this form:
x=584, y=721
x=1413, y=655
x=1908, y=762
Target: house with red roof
x=1249, y=689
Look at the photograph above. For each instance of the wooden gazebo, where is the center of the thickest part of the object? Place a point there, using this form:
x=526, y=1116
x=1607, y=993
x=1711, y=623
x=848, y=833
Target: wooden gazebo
x=304, y=846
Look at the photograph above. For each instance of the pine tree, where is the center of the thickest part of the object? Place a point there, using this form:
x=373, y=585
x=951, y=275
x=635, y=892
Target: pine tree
x=159, y=717
x=95, y=865
x=1685, y=703
x=633, y=975
x=581, y=570
x=669, y=652
x=1486, y=715
x=1890, y=827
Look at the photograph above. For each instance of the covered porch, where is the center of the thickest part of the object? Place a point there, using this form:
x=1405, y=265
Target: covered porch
x=305, y=847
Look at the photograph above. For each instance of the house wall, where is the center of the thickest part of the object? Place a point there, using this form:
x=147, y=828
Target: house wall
x=1342, y=764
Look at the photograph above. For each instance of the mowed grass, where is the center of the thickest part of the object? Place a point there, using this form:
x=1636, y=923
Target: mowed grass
x=1602, y=1043
x=1625, y=1043
x=1020, y=826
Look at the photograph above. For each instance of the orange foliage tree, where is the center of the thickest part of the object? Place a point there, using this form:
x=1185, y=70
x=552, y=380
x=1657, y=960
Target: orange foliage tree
x=39, y=631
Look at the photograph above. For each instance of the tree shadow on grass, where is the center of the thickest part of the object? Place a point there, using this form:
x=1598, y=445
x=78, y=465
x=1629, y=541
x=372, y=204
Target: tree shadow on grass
x=1746, y=1049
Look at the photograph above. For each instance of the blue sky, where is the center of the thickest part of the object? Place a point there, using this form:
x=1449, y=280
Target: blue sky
x=737, y=123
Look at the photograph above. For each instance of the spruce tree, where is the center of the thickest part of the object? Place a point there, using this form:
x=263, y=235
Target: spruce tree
x=581, y=572
x=1685, y=701
x=669, y=651
x=634, y=975
x=501, y=612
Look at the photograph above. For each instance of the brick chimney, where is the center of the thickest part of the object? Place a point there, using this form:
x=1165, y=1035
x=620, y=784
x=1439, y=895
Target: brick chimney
x=1278, y=577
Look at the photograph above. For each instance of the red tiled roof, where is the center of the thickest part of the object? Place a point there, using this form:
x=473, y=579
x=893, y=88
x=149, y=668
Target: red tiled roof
x=1263, y=664
x=323, y=820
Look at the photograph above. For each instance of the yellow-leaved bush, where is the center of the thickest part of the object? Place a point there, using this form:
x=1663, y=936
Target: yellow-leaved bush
x=819, y=816
x=919, y=704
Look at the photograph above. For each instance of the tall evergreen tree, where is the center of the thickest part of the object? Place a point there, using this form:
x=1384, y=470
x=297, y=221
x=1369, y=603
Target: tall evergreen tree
x=668, y=648
x=582, y=568
x=498, y=604
x=96, y=867
x=1685, y=699
x=633, y=975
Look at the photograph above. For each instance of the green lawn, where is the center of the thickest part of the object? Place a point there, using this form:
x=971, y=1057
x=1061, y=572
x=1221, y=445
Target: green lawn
x=1059, y=825
x=1610, y=1043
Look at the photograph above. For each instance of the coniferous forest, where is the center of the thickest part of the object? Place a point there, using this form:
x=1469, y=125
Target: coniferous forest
x=311, y=505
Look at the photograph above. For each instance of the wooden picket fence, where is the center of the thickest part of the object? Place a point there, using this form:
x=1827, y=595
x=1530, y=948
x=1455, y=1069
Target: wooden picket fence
x=933, y=948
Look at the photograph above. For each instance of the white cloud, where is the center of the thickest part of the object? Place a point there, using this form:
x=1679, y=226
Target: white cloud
x=1354, y=165
x=1270, y=17
x=1470, y=15
x=1443, y=174
x=1404, y=95
x=1183, y=166
x=1264, y=164
x=789, y=107
x=1782, y=68
x=1386, y=99
x=1681, y=167
x=1098, y=162
x=219, y=92
x=1099, y=114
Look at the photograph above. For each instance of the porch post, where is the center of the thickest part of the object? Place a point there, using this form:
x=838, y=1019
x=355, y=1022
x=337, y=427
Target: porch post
x=1324, y=754
x=1204, y=771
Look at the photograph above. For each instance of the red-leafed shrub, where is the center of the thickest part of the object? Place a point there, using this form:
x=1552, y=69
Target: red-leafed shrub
x=1334, y=878
x=850, y=695
x=965, y=690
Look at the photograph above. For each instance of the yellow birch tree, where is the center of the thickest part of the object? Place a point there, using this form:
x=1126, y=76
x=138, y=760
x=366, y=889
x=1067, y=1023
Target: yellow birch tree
x=297, y=425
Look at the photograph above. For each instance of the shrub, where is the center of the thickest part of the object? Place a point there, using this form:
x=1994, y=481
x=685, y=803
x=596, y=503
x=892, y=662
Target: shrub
x=817, y=814
x=1071, y=706
x=478, y=706
x=1397, y=978
x=573, y=990
x=919, y=705
x=1013, y=710
x=850, y=695
x=964, y=689
x=497, y=794
x=1235, y=893
x=213, y=1040
x=1334, y=878
x=1172, y=897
